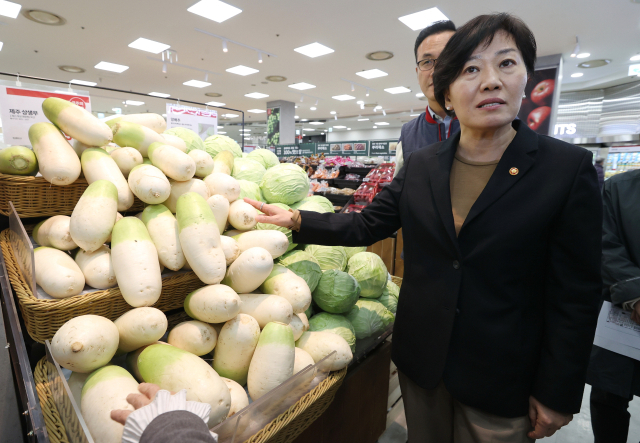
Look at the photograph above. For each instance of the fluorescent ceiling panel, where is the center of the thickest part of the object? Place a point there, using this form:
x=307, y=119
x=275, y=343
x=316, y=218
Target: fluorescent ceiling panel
x=245, y=130
x=316, y=123
x=414, y=115
x=160, y=94
x=371, y=73
x=1, y=44
x=9, y=9
x=419, y=95
x=422, y=19
x=382, y=123
x=398, y=90
x=197, y=84
x=257, y=111
x=580, y=74
x=314, y=50
x=214, y=10
x=82, y=82
x=151, y=46
x=134, y=103
x=216, y=104
x=113, y=67
x=309, y=129
x=633, y=70
x=302, y=86
x=343, y=97
x=339, y=127
x=230, y=115
x=221, y=132
x=363, y=119
x=256, y=95
x=242, y=70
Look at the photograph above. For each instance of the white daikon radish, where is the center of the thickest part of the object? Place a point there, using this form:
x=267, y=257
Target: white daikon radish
x=283, y=282
x=200, y=238
x=85, y=343
x=94, y=216
x=18, y=160
x=152, y=121
x=135, y=136
x=305, y=321
x=223, y=184
x=105, y=390
x=54, y=232
x=76, y=122
x=220, y=207
x=175, y=141
x=297, y=327
x=273, y=241
x=273, y=360
x=80, y=147
x=204, y=162
x=174, y=369
x=173, y=162
x=57, y=273
x=135, y=262
x=149, y=184
x=118, y=218
x=76, y=382
x=239, y=398
x=180, y=188
x=140, y=327
x=233, y=232
x=249, y=270
x=126, y=159
x=163, y=230
x=230, y=249
x=242, y=216
x=193, y=336
x=223, y=162
x=237, y=341
x=57, y=161
x=303, y=359
x=98, y=165
x=266, y=308
x=97, y=268
x=132, y=360
x=213, y=304
x=319, y=344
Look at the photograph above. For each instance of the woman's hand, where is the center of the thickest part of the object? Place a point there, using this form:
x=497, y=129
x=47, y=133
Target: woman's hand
x=272, y=214
x=148, y=392
x=544, y=421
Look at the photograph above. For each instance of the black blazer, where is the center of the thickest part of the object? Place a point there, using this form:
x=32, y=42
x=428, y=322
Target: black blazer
x=508, y=308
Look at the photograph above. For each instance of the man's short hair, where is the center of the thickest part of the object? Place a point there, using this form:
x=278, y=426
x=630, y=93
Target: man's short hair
x=436, y=28
x=599, y=160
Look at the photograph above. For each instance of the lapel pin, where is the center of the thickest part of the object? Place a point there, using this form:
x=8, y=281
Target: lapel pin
x=513, y=171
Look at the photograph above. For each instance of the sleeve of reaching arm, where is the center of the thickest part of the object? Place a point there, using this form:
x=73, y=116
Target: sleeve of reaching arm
x=177, y=426
x=572, y=294
x=376, y=222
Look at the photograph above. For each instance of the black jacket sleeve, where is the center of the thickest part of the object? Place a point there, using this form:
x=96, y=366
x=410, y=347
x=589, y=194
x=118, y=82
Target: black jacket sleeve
x=177, y=426
x=376, y=222
x=573, y=293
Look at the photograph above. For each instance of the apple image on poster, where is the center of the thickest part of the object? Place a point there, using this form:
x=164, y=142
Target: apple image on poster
x=538, y=116
x=542, y=94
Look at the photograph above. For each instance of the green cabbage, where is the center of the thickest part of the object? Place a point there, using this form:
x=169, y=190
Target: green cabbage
x=323, y=202
x=247, y=169
x=309, y=312
x=218, y=143
x=337, y=292
x=329, y=257
x=304, y=265
x=285, y=183
x=370, y=271
x=351, y=251
x=389, y=297
x=369, y=317
x=297, y=204
x=250, y=190
x=265, y=157
x=335, y=323
x=190, y=138
x=313, y=207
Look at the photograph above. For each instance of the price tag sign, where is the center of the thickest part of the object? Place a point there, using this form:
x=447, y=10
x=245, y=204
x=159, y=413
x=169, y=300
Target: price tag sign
x=201, y=121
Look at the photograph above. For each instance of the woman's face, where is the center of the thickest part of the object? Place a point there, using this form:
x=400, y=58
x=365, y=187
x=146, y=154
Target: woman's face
x=488, y=93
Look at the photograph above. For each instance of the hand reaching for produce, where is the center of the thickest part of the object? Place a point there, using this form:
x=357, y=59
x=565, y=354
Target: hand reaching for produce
x=148, y=392
x=271, y=214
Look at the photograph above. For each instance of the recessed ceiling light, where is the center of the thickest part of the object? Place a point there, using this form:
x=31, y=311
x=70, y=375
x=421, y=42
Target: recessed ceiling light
x=160, y=94
x=245, y=130
x=309, y=129
x=134, y=103
x=414, y=115
x=594, y=63
x=314, y=50
x=113, y=67
x=257, y=111
x=265, y=132
x=1, y=45
x=343, y=97
x=214, y=10
x=197, y=84
x=213, y=94
x=382, y=123
x=221, y=132
x=363, y=119
x=242, y=70
x=422, y=19
x=220, y=127
x=635, y=58
x=332, y=112
x=419, y=94
x=634, y=69
x=256, y=95
x=378, y=56
x=82, y=82
x=577, y=74
x=69, y=68
x=276, y=78
x=375, y=127
x=304, y=120
x=43, y=17
x=371, y=73
x=302, y=86
x=339, y=127
x=296, y=117
x=313, y=108
x=583, y=55
x=316, y=123
x=9, y=9
x=145, y=44
x=216, y=104
x=230, y=115
x=398, y=90
x=348, y=129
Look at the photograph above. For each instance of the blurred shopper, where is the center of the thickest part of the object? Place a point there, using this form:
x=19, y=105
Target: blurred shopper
x=600, y=170
x=615, y=378
x=500, y=297
x=434, y=124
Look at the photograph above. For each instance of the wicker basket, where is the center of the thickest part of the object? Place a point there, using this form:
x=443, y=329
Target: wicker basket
x=36, y=197
x=283, y=429
x=43, y=318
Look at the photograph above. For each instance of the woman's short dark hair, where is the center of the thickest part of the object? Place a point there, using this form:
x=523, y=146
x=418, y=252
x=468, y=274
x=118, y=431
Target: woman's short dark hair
x=435, y=28
x=476, y=32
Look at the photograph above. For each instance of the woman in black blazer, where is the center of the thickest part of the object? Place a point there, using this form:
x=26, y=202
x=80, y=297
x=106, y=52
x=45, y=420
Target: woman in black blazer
x=498, y=308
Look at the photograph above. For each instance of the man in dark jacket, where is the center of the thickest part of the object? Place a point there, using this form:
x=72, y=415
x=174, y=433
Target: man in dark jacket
x=615, y=378
x=600, y=171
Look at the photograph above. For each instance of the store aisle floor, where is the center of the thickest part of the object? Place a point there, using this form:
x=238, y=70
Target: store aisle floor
x=578, y=431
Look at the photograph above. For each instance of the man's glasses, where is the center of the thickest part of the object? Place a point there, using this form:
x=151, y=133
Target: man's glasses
x=427, y=64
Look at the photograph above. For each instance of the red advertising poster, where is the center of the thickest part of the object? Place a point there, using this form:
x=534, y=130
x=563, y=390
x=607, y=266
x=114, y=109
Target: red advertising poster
x=538, y=101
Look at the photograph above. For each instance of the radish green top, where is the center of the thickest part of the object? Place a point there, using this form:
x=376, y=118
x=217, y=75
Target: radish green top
x=129, y=228
x=153, y=211
x=132, y=131
x=53, y=106
x=274, y=334
x=94, y=154
x=37, y=130
x=193, y=209
x=102, y=188
x=153, y=361
x=103, y=374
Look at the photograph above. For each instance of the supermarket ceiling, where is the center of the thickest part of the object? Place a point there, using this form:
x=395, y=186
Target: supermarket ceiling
x=101, y=31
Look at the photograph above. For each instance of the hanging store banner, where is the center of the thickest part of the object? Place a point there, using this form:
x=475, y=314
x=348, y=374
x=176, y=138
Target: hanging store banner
x=383, y=147
x=273, y=127
x=365, y=148
x=301, y=150
x=21, y=107
x=204, y=122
